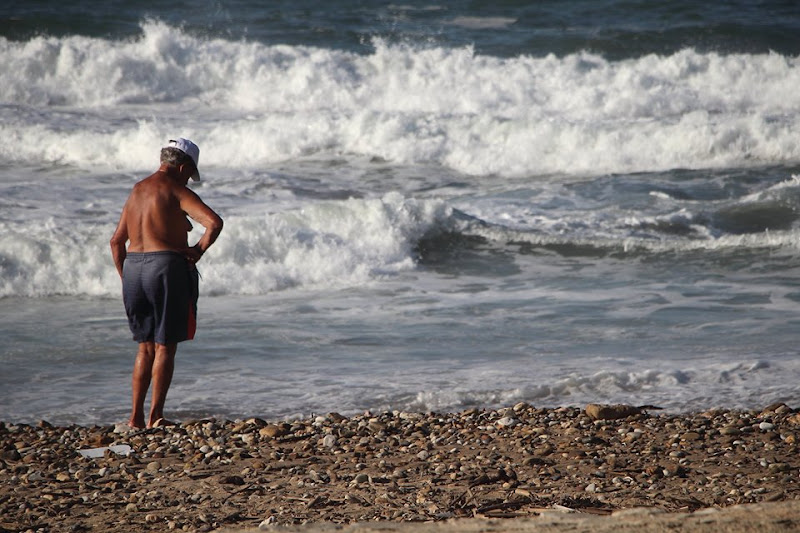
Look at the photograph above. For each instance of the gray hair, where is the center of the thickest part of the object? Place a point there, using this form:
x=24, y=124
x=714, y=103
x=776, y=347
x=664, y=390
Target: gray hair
x=174, y=157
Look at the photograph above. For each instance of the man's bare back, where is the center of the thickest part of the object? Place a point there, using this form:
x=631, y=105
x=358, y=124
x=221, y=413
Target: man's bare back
x=154, y=218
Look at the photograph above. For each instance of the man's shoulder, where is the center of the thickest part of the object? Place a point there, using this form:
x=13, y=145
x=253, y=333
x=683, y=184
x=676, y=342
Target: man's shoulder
x=158, y=182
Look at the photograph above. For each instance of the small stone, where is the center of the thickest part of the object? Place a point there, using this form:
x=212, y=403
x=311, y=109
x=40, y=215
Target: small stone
x=521, y=406
x=794, y=419
x=423, y=455
x=376, y=427
x=273, y=431
x=507, y=421
x=591, y=487
x=151, y=518
x=329, y=441
x=267, y=523
x=153, y=467
x=779, y=467
x=131, y=508
x=690, y=436
x=10, y=455
x=766, y=426
x=361, y=478
x=730, y=431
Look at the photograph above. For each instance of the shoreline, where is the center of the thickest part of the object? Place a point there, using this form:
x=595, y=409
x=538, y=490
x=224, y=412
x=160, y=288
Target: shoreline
x=508, y=469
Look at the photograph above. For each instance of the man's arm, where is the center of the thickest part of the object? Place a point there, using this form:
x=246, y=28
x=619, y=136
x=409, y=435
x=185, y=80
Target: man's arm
x=193, y=206
x=119, y=240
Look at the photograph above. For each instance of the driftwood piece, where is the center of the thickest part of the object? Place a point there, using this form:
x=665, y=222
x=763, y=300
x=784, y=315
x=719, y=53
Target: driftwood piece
x=597, y=411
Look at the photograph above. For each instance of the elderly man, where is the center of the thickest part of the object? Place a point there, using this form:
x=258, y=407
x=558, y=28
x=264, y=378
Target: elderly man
x=159, y=278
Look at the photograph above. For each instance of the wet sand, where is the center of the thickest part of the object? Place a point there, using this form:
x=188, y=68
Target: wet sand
x=516, y=469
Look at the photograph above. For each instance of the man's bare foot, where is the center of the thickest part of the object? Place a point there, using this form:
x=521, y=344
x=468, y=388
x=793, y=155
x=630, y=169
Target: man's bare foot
x=162, y=422
x=136, y=424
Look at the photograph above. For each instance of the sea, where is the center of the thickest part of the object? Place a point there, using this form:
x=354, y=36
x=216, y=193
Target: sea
x=429, y=206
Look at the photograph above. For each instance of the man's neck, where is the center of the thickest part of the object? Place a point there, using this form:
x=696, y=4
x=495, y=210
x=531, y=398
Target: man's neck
x=170, y=171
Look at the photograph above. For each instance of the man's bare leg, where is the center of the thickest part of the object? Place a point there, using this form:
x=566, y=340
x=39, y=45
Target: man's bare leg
x=142, y=370
x=163, y=367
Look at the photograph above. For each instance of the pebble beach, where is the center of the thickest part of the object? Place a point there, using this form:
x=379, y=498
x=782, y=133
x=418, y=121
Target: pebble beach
x=519, y=468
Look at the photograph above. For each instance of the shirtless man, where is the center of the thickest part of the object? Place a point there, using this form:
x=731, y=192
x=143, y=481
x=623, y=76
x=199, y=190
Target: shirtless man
x=159, y=278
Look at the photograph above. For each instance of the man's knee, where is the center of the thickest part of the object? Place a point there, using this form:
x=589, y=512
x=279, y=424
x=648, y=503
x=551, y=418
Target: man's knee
x=166, y=350
x=147, y=349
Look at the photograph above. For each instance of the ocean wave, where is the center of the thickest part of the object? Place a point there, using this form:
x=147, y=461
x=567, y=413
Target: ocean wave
x=671, y=389
x=249, y=104
x=344, y=243
x=326, y=244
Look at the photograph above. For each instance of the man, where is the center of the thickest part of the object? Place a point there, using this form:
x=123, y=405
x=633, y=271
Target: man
x=159, y=279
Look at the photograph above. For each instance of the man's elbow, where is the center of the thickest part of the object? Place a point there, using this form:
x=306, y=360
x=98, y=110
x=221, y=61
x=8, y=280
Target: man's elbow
x=216, y=225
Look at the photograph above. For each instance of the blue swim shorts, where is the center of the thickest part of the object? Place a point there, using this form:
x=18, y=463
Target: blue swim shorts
x=159, y=290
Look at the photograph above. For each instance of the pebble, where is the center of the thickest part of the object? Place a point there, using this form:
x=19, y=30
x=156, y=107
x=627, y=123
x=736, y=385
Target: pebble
x=507, y=421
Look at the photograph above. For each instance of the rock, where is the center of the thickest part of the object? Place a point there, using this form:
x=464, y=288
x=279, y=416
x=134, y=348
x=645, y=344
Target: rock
x=779, y=467
x=376, y=426
x=507, y=421
x=153, y=467
x=268, y=523
x=256, y=422
x=272, y=431
x=232, y=480
x=329, y=441
x=10, y=455
x=766, y=426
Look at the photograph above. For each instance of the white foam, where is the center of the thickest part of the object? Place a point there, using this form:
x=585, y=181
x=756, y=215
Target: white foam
x=740, y=384
x=248, y=104
x=324, y=244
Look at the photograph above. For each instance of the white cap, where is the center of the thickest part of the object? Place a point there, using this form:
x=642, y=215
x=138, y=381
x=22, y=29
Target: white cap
x=189, y=148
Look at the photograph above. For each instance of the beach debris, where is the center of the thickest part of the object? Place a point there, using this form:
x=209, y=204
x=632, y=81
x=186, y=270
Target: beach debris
x=615, y=412
x=93, y=453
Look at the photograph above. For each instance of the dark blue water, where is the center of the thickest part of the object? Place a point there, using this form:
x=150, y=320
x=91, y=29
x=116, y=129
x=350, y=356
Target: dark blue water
x=615, y=29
